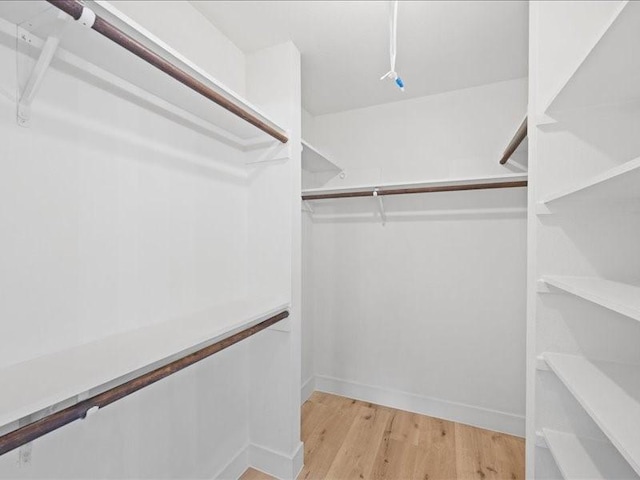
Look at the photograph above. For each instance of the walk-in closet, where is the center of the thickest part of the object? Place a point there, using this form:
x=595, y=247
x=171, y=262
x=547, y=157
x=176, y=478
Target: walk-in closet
x=341, y=240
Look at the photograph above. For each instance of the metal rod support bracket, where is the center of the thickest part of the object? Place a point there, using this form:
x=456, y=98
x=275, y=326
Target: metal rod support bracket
x=40, y=69
x=383, y=215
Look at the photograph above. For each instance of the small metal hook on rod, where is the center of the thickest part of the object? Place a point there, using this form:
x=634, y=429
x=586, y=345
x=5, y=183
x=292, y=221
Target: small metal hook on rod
x=383, y=215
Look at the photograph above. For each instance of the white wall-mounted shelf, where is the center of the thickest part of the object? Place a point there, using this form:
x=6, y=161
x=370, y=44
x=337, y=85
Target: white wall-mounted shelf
x=609, y=73
x=118, y=70
x=314, y=161
x=617, y=185
x=415, y=185
x=618, y=297
x=610, y=394
x=58, y=379
x=581, y=459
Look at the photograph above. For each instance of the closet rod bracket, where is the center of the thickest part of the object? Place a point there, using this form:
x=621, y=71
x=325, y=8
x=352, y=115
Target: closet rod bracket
x=39, y=70
x=383, y=214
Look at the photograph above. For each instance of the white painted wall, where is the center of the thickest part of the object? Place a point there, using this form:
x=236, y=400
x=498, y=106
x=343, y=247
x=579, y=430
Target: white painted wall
x=426, y=313
x=115, y=217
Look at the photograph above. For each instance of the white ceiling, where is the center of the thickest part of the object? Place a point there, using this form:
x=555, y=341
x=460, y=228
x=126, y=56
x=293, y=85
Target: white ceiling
x=442, y=46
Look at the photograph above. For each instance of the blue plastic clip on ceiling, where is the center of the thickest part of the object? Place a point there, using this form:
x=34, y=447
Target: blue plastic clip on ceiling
x=393, y=28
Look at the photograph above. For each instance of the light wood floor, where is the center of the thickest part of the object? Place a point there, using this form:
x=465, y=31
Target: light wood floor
x=347, y=439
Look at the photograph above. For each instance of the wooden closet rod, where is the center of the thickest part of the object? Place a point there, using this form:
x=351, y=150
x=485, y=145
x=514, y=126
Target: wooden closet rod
x=515, y=142
x=403, y=191
x=28, y=433
x=100, y=25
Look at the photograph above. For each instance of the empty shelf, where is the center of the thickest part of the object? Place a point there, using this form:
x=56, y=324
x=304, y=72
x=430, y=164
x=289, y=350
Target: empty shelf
x=585, y=459
x=56, y=380
x=617, y=185
x=610, y=393
x=619, y=297
x=610, y=73
x=314, y=161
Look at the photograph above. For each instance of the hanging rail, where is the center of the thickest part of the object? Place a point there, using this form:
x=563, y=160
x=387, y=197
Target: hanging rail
x=87, y=17
x=32, y=431
x=369, y=192
x=515, y=142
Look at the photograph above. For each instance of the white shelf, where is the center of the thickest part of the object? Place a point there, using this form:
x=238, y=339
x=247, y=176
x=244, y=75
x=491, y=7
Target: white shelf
x=433, y=183
x=314, y=161
x=619, y=297
x=610, y=394
x=585, y=459
x=119, y=70
x=56, y=380
x=610, y=72
x=617, y=185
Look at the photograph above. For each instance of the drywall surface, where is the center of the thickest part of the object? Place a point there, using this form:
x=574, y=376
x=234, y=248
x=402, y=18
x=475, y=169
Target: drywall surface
x=112, y=219
x=427, y=312
x=451, y=135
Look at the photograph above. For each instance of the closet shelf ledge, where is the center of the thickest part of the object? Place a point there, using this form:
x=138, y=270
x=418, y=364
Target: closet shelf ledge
x=605, y=390
x=580, y=458
x=45, y=385
x=619, y=297
x=617, y=187
x=188, y=91
x=444, y=185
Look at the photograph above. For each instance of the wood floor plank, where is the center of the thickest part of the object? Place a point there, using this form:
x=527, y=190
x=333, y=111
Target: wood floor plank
x=253, y=474
x=436, y=450
x=356, y=456
x=485, y=455
x=325, y=440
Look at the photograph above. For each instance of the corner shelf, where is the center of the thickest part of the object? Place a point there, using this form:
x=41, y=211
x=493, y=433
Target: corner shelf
x=607, y=75
x=53, y=382
x=117, y=70
x=610, y=394
x=580, y=458
x=619, y=184
x=315, y=162
x=618, y=297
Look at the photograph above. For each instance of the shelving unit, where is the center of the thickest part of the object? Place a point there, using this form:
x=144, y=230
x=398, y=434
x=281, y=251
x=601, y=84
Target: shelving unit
x=50, y=383
x=584, y=166
x=315, y=161
x=121, y=71
x=617, y=187
x=618, y=297
x=580, y=459
x=610, y=393
x=63, y=366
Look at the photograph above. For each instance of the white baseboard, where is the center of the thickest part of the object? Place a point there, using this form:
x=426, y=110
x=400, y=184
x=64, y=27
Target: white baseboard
x=433, y=407
x=236, y=466
x=276, y=464
x=308, y=388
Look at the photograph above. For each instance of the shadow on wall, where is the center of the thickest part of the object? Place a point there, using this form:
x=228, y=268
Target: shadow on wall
x=442, y=206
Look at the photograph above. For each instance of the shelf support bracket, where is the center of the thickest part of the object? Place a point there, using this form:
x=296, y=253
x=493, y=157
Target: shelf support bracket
x=39, y=70
x=383, y=214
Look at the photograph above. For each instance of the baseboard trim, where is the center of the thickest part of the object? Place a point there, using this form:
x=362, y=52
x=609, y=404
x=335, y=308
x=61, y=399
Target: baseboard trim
x=277, y=464
x=308, y=388
x=236, y=466
x=434, y=407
